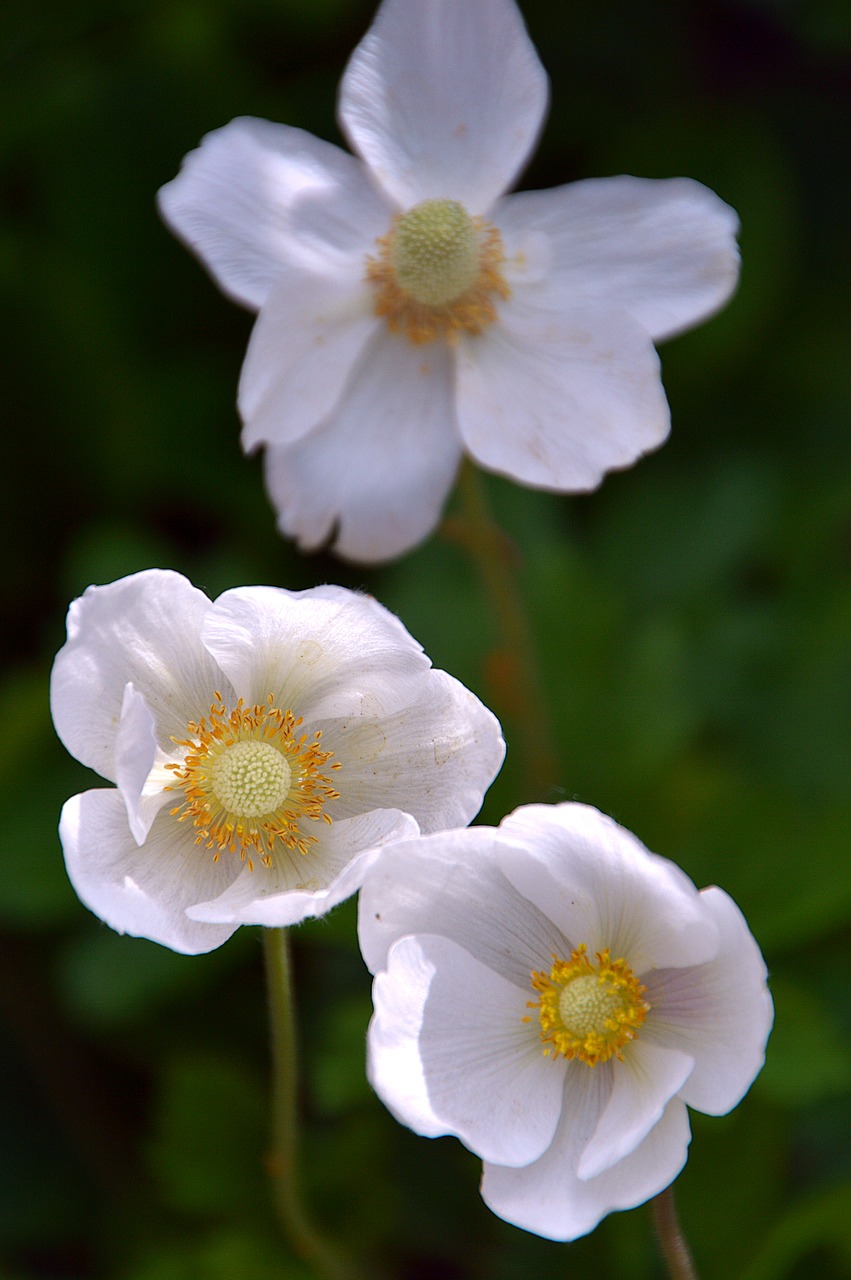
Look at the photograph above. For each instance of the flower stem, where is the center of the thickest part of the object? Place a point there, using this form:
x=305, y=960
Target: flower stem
x=283, y=1157
x=514, y=667
x=672, y=1242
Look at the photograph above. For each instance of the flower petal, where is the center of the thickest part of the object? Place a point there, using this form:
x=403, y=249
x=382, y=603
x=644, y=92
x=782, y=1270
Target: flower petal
x=450, y=1052
x=604, y=889
x=644, y=1083
x=135, y=752
x=663, y=251
x=236, y=197
x=146, y=630
x=548, y=1198
x=302, y=354
x=375, y=474
x=444, y=99
x=720, y=1011
x=300, y=886
x=435, y=758
x=451, y=885
x=141, y=891
x=557, y=398
x=321, y=652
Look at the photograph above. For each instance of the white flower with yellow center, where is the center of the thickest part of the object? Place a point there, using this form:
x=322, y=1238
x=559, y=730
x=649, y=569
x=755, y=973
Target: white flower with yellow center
x=263, y=745
x=556, y=996
x=410, y=311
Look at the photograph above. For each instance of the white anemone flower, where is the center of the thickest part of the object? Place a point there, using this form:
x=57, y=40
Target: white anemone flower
x=555, y=996
x=410, y=311
x=262, y=746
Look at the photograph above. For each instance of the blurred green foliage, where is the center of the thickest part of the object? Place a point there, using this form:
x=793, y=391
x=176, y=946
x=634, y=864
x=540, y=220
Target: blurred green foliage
x=693, y=619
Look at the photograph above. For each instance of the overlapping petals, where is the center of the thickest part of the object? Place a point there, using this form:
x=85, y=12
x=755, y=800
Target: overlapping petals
x=558, y=384
x=149, y=659
x=455, y=928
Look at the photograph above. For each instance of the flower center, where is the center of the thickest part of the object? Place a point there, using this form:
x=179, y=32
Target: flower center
x=435, y=252
x=437, y=272
x=249, y=779
x=588, y=1011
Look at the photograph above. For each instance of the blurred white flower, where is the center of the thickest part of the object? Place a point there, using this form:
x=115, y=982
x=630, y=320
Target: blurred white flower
x=555, y=996
x=410, y=312
x=262, y=746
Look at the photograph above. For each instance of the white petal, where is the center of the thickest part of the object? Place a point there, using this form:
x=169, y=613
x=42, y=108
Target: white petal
x=664, y=251
x=444, y=99
x=451, y=885
x=302, y=353
x=556, y=398
x=546, y=1197
x=239, y=202
x=644, y=1084
x=141, y=891
x=135, y=751
x=145, y=630
x=375, y=474
x=435, y=759
x=449, y=1052
x=721, y=1012
x=601, y=887
x=299, y=886
x=320, y=653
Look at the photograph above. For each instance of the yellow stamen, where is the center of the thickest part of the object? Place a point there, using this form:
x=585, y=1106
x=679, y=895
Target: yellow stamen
x=588, y=1011
x=437, y=273
x=249, y=779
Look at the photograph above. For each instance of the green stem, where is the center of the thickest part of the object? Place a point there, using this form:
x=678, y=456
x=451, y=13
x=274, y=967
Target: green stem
x=672, y=1242
x=519, y=677
x=283, y=1157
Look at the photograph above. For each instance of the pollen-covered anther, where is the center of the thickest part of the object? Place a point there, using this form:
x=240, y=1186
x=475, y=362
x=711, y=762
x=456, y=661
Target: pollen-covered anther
x=588, y=1011
x=438, y=273
x=249, y=778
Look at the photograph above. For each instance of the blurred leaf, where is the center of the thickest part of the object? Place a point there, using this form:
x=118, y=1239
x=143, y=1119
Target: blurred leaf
x=36, y=777
x=723, y=1215
x=338, y=1054
x=108, y=979
x=808, y=1057
x=208, y=1135
x=222, y=1255
x=821, y=1219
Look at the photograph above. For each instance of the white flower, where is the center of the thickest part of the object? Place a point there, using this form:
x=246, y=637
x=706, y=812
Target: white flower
x=554, y=995
x=409, y=311
x=262, y=746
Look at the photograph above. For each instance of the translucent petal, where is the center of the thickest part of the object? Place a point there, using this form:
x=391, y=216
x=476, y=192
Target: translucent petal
x=435, y=758
x=374, y=476
x=720, y=1012
x=322, y=653
x=548, y=1198
x=556, y=398
x=145, y=890
x=239, y=204
x=300, y=886
x=450, y=1052
x=602, y=888
x=146, y=630
x=444, y=99
x=661, y=251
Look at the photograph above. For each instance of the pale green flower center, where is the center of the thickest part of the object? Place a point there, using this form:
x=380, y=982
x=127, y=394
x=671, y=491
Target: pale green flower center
x=587, y=1010
x=250, y=778
x=436, y=253
x=586, y=1005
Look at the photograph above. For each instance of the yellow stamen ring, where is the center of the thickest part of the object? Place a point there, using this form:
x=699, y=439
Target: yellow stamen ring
x=249, y=778
x=588, y=1011
x=437, y=273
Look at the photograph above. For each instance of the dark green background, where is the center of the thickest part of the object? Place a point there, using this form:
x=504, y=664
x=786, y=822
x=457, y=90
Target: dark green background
x=693, y=619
